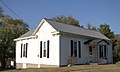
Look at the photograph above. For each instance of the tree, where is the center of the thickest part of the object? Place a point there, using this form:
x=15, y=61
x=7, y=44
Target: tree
x=116, y=51
x=90, y=27
x=9, y=30
x=67, y=20
x=105, y=30
x=1, y=11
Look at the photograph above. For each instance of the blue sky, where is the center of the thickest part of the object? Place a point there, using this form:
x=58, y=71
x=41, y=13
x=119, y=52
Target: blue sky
x=95, y=12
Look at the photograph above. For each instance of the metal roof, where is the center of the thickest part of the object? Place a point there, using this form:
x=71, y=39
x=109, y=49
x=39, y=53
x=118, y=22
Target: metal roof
x=76, y=30
x=29, y=33
x=68, y=29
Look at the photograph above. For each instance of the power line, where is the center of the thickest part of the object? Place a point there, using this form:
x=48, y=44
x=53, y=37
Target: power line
x=10, y=9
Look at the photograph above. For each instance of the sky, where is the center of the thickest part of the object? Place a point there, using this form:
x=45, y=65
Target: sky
x=95, y=12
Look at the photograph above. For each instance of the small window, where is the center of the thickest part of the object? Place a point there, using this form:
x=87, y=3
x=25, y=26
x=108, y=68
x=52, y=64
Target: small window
x=44, y=48
x=44, y=54
x=24, y=50
x=75, y=49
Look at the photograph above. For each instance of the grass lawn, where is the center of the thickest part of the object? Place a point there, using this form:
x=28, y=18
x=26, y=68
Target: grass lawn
x=76, y=68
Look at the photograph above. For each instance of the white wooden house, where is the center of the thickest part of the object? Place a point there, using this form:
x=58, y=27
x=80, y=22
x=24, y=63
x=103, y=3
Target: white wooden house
x=52, y=43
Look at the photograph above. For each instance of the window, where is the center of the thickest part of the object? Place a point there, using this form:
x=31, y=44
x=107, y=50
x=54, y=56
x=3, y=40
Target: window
x=44, y=48
x=44, y=51
x=102, y=51
x=75, y=48
x=24, y=50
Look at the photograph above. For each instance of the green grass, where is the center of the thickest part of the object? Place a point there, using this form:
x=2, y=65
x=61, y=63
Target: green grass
x=76, y=68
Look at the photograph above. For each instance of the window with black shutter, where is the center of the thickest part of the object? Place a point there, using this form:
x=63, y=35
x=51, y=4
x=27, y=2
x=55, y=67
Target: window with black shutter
x=26, y=49
x=105, y=50
x=48, y=42
x=40, y=49
x=79, y=48
x=21, y=50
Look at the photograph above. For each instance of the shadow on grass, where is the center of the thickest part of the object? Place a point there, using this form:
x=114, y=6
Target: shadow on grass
x=5, y=69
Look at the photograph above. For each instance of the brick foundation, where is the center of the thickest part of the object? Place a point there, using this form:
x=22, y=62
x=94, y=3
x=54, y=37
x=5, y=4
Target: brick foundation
x=31, y=65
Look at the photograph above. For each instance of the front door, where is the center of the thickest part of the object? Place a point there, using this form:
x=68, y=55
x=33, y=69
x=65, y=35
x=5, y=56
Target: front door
x=90, y=50
x=92, y=54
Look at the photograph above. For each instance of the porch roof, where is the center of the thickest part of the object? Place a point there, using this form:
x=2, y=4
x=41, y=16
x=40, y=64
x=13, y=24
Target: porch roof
x=96, y=41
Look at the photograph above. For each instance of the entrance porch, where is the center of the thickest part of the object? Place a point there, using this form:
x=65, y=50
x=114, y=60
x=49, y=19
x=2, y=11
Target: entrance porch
x=97, y=51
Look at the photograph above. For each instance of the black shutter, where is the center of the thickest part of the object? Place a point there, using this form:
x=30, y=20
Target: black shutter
x=71, y=42
x=26, y=49
x=40, y=49
x=21, y=50
x=105, y=50
x=48, y=42
x=100, y=51
x=79, y=48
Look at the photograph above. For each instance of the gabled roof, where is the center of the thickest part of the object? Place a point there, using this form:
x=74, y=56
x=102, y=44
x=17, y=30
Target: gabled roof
x=75, y=30
x=61, y=27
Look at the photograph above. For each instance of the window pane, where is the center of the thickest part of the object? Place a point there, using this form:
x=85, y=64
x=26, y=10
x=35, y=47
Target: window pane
x=24, y=51
x=75, y=49
x=44, y=53
x=44, y=45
